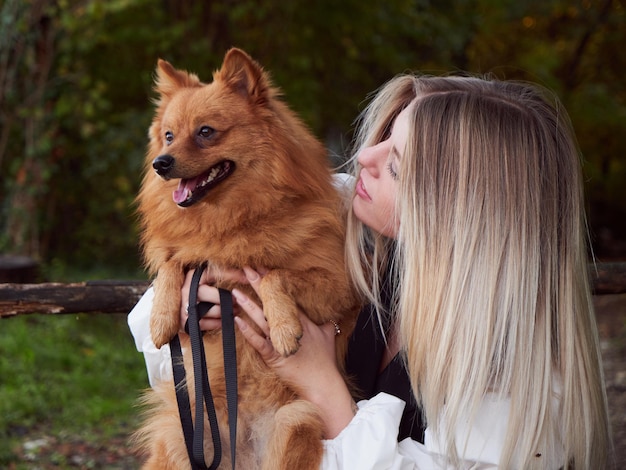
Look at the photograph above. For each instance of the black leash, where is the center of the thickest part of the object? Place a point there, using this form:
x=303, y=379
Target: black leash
x=194, y=436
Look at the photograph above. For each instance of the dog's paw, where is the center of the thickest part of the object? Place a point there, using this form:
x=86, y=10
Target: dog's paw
x=286, y=339
x=163, y=327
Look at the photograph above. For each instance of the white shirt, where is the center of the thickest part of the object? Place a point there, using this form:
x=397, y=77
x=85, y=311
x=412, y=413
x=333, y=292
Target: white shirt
x=158, y=361
x=369, y=442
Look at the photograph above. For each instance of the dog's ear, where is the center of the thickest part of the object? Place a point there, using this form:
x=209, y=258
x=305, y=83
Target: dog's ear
x=168, y=79
x=243, y=75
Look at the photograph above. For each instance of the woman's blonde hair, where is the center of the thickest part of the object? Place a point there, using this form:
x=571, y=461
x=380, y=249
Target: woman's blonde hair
x=489, y=268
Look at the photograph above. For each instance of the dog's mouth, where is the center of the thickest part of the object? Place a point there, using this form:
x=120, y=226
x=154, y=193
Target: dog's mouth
x=192, y=190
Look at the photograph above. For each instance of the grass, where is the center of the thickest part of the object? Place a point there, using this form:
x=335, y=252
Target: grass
x=71, y=375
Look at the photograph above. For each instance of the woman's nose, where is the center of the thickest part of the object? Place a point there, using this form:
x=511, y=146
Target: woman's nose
x=372, y=158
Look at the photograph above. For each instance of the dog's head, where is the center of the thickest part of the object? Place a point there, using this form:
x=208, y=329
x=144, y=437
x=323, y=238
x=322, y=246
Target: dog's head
x=215, y=139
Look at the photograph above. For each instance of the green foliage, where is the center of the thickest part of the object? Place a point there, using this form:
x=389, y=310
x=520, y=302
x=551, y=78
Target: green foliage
x=76, y=374
x=76, y=79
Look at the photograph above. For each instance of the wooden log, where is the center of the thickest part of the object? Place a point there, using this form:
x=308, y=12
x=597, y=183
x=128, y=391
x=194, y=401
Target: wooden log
x=81, y=297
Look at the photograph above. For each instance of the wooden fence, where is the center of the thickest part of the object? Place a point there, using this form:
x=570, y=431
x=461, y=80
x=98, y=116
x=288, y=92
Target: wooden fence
x=80, y=297
x=121, y=296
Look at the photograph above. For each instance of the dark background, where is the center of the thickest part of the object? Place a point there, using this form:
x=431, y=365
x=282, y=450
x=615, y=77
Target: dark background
x=76, y=84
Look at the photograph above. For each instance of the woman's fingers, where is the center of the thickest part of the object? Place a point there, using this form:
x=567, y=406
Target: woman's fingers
x=260, y=343
x=253, y=278
x=208, y=293
x=253, y=310
x=211, y=320
x=210, y=324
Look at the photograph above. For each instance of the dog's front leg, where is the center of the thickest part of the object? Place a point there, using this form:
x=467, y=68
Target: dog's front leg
x=281, y=312
x=321, y=294
x=165, y=317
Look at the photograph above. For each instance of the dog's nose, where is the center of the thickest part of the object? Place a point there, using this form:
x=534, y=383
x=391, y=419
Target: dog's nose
x=163, y=164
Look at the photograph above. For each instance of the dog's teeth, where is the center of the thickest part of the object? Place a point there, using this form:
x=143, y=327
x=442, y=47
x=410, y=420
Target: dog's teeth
x=214, y=172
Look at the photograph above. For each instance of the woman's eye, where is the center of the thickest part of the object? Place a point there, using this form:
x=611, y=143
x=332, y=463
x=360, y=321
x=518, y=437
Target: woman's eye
x=206, y=132
x=169, y=137
x=392, y=170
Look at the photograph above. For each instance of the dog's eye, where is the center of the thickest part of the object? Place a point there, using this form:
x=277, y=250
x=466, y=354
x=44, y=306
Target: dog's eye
x=169, y=137
x=206, y=132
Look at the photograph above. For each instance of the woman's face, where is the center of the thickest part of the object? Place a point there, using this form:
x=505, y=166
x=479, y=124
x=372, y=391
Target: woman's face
x=375, y=198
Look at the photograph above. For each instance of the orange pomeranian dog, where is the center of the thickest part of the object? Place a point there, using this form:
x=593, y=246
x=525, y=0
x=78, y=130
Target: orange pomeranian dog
x=234, y=178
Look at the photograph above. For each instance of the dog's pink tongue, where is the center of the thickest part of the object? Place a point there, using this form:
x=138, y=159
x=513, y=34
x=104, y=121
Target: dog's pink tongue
x=183, y=192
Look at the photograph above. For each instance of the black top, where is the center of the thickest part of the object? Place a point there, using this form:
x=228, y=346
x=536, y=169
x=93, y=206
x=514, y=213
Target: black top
x=365, y=351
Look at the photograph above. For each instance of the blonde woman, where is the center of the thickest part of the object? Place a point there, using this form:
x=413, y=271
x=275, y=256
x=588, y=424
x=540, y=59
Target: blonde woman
x=468, y=192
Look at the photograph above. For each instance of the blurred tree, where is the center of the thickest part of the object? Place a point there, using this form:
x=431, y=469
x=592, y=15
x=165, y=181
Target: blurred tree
x=76, y=78
x=26, y=56
x=576, y=50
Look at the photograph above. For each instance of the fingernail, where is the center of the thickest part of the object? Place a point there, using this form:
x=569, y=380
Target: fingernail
x=238, y=295
x=251, y=274
x=242, y=325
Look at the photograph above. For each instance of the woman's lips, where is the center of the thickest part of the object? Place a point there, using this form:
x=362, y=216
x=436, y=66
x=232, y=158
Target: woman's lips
x=361, y=191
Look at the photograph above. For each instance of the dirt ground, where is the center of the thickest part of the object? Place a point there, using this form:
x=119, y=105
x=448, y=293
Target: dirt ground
x=611, y=314
x=71, y=452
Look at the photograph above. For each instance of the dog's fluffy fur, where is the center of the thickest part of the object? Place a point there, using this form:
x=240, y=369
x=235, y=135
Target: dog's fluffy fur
x=272, y=205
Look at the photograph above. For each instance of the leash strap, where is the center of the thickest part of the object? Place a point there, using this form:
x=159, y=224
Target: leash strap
x=194, y=436
x=182, y=397
x=230, y=366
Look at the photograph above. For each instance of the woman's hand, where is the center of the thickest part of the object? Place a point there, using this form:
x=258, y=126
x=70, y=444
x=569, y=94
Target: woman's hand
x=207, y=292
x=312, y=371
